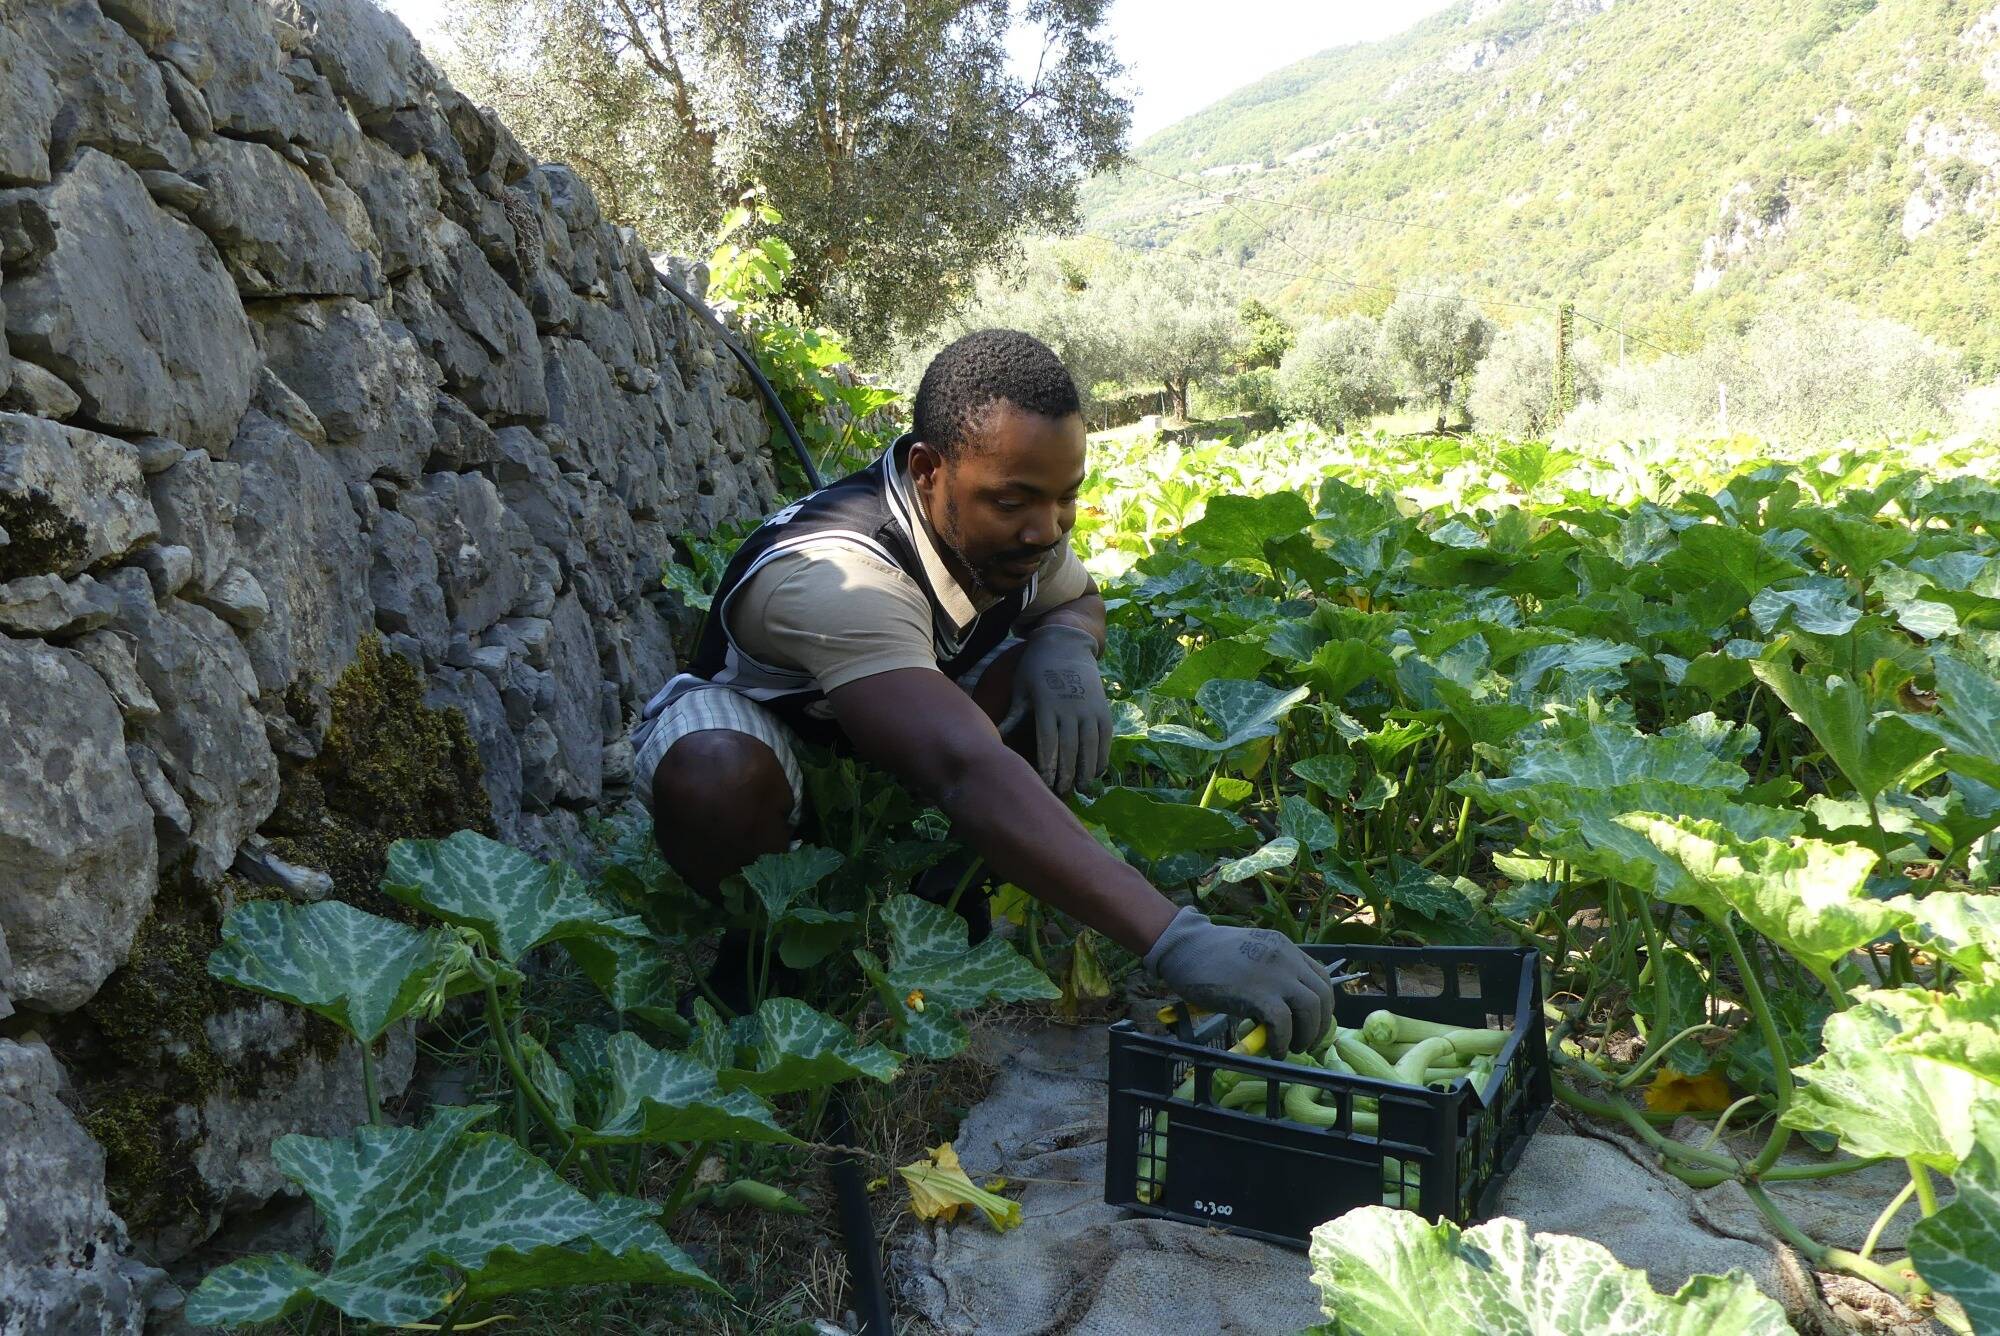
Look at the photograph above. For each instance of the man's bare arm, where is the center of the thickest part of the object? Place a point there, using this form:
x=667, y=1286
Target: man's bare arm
x=917, y=724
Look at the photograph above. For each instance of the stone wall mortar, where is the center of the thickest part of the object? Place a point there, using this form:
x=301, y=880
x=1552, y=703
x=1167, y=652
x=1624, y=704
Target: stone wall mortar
x=296, y=346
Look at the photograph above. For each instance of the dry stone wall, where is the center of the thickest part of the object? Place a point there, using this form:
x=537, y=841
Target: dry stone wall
x=300, y=348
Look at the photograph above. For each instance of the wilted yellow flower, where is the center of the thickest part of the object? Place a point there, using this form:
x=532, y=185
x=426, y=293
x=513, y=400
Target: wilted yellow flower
x=940, y=1190
x=915, y=1000
x=1670, y=1092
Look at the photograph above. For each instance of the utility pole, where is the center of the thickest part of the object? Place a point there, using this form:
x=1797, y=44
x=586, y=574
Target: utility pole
x=1564, y=398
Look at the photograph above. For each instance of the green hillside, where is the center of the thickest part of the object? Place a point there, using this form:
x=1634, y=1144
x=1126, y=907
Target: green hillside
x=1668, y=164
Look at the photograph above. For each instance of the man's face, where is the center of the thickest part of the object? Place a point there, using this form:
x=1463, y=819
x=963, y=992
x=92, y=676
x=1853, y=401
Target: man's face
x=1008, y=497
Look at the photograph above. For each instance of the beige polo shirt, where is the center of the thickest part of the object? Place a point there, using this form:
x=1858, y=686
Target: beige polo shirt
x=840, y=614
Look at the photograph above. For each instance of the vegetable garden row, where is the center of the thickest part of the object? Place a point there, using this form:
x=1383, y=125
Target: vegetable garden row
x=1720, y=740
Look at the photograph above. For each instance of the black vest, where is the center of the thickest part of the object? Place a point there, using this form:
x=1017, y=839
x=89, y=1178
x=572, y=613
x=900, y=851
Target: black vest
x=874, y=510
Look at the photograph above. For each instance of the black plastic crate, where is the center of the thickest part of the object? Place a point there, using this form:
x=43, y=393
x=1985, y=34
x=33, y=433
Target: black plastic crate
x=1255, y=1172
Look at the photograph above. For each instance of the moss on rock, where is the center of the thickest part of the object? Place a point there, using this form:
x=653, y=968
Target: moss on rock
x=40, y=538
x=391, y=768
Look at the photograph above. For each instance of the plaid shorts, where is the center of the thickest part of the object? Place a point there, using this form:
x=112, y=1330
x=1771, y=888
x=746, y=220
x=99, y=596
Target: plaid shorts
x=718, y=709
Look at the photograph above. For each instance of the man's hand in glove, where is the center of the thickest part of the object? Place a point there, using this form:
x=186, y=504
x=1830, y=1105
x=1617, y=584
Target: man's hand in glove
x=1057, y=680
x=1245, y=972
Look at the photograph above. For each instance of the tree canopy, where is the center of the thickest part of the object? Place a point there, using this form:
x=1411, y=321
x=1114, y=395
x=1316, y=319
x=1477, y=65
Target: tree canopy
x=898, y=141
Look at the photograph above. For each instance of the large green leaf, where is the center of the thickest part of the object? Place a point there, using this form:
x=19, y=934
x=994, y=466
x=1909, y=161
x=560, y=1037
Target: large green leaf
x=1875, y=754
x=1970, y=723
x=1808, y=896
x=1381, y=1270
x=1158, y=829
x=1958, y=1249
x=1308, y=825
x=1816, y=604
x=793, y=1047
x=1708, y=552
x=653, y=1095
x=1218, y=658
x=1961, y=926
x=1236, y=526
x=359, y=970
x=1960, y=1029
x=635, y=975
x=930, y=959
x=409, y=1211
x=779, y=879
x=1269, y=857
x=1243, y=711
x=1606, y=756
x=1878, y=1101
x=513, y=900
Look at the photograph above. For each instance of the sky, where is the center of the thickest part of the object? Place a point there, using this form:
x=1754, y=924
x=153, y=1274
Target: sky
x=1182, y=54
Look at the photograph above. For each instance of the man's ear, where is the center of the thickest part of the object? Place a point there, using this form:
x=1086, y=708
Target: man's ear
x=925, y=463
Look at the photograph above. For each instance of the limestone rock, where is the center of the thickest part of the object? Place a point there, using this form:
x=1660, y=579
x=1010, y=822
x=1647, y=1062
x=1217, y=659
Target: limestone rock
x=272, y=227
x=238, y=599
x=173, y=824
x=69, y=499
x=276, y=401
x=227, y=48
x=296, y=530
x=400, y=196
x=111, y=654
x=403, y=584
x=256, y=862
x=196, y=500
x=157, y=454
x=209, y=736
x=364, y=379
x=6, y=980
x=62, y=1262
x=168, y=567
x=367, y=54
x=51, y=607
x=37, y=392
x=106, y=93
x=479, y=543
x=77, y=857
x=230, y=1134
x=110, y=307
x=473, y=695
x=480, y=333
x=573, y=662
x=463, y=441
x=28, y=105
x=190, y=108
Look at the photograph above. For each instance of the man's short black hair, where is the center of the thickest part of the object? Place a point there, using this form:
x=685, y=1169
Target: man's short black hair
x=974, y=372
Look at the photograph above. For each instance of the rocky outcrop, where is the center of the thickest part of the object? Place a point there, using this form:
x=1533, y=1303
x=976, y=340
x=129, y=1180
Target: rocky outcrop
x=297, y=349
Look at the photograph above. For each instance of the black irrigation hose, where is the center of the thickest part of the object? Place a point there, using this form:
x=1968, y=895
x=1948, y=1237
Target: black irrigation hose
x=857, y=1222
x=707, y=317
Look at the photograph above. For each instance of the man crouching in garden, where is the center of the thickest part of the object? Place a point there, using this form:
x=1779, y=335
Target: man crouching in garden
x=920, y=612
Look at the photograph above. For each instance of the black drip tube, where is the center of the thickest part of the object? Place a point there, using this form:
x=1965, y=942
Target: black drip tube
x=857, y=1222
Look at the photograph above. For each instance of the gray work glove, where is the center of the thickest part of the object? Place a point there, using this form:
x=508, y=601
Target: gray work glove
x=1057, y=679
x=1246, y=972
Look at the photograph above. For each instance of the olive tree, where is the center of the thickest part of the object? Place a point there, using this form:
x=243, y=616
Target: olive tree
x=1173, y=322
x=1337, y=373
x=1513, y=391
x=1437, y=339
x=898, y=142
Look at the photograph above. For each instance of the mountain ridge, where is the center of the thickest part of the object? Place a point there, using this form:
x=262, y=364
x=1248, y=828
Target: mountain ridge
x=1672, y=166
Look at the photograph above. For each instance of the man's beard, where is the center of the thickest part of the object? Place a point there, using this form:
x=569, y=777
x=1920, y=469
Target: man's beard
x=948, y=535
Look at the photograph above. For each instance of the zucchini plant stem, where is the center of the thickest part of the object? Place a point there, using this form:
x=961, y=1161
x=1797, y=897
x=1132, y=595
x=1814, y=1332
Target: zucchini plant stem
x=503, y=1039
x=1920, y=1178
x=1896, y=1203
x=1906, y=1285
x=368, y=1086
x=1774, y=1042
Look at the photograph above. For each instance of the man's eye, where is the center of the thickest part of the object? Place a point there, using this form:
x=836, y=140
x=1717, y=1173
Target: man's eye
x=1009, y=506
